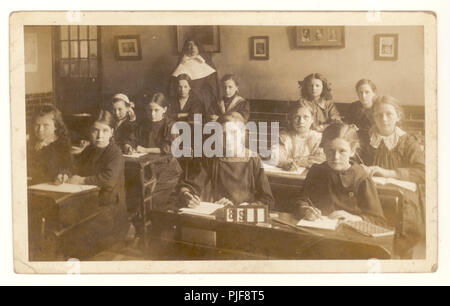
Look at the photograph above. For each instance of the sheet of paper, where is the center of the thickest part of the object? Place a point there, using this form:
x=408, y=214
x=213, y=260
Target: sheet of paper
x=205, y=208
x=135, y=155
x=323, y=223
x=65, y=188
x=274, y=169
x=404, y=184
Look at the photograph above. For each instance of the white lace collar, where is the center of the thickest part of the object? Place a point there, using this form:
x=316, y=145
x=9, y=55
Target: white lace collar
x=389, y=141
x=194, y=66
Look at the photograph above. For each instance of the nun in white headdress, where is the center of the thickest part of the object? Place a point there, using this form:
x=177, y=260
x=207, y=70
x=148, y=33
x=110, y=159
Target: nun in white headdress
x=195, y=62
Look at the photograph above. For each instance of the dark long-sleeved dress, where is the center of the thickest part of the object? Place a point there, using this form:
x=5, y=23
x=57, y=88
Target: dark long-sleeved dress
x=362, y=118
x=407, y=158
x=193, y=106
x=351, y=190
x=104, y=167
x=123, y=132
x=236, y=104
x=45, y=164
x=237, y=179
x=206, y=89
x=158, y=135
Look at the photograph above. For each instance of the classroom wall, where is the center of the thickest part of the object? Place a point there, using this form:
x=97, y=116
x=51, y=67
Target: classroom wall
x=41, y=80
x=277, y=77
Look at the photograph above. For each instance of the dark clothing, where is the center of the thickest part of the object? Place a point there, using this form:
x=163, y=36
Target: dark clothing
x=158, y=135
x=362, y=118
x=44, y=165
x=351, y=190
x=327, y=114
x=193, y=106
x=206, y=89
x=407, y=158
x=237, y=179
x=123, y=132
x=153, y=135
x=228, y=106
x=104, y=167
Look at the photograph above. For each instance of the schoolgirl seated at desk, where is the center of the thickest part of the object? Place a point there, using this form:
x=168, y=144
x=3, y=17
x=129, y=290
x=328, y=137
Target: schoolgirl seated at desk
x=48, y=149
x=231, y=101
x=316, y=89
x=186, y=103
x=102, y=164
x=153, y=135
x=299, y=146
x=339, y=188
x=125, y=119
x=233, y=179
x=393, y=153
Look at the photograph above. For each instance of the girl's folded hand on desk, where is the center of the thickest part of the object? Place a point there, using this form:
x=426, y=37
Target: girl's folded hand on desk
x=128, y=149
x=61, y=179
x=225, y=202
x=190, y=199
x=344, y=216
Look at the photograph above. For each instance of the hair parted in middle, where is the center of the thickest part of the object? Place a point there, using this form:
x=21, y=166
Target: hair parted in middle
x=348, y=132
x=326, y=91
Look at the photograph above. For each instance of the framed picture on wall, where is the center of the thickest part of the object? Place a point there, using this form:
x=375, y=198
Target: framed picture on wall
x=386, y=47
x=208, y=36
x=128, y=47
x=259, y=47
x=319, y=36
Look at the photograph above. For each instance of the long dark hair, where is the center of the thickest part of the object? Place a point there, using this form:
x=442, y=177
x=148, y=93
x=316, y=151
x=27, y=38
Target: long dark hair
x=107, y=118
x=326, y=90
x=60, y=128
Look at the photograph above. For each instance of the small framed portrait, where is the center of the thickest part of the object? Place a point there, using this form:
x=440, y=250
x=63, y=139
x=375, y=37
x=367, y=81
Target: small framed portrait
x=259, y=47
x=386, y=47
x=319, y=36
x=128, y=47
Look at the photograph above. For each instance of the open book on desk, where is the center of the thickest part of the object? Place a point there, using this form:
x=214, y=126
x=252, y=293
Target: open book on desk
x=322, y=223
x=205, y=209
x=411, y=186
x=270, y=169
x=64, y=188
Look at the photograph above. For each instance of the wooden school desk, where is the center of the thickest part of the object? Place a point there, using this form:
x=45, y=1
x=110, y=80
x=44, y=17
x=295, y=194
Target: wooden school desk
x=216, y=240
x=140, y=182
x=54, y=218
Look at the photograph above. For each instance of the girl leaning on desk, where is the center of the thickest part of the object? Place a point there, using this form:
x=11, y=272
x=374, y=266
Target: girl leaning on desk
x=153, y=135
x=48, y=147
x=230, y=180
x=393, y=153
x=101, y=164
x=339, y=188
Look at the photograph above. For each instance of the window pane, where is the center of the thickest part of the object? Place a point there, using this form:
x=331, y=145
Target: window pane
x=74, y=49
x=74, y=69
x=64, y=31
x=73, y=32
x=83, y=32
x=93, y=68
x=93, y=48
x=84, y=49
x=92, y=32
x=84, y=68
x=64, y=69
x=64, y=49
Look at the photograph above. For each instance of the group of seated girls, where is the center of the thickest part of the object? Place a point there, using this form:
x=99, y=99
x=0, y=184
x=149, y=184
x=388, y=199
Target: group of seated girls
x=342, y=153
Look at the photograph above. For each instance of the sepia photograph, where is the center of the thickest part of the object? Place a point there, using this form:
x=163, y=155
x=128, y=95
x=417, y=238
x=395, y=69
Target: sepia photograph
x=157, y=142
